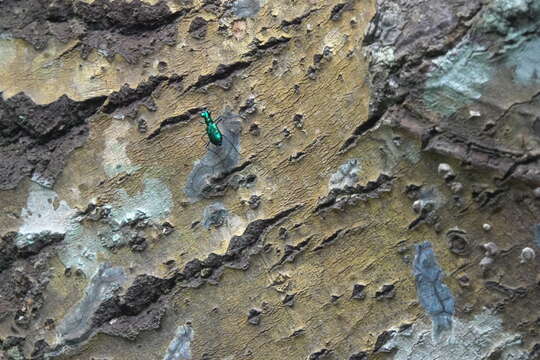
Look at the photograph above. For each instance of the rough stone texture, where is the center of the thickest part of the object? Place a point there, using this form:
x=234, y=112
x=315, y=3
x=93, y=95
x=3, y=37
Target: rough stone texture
x=133, y=29
x=36, y=140
x=471, y=94
x=354, y=132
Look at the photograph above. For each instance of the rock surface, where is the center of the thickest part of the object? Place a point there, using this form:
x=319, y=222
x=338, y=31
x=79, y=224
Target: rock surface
x=375, y=195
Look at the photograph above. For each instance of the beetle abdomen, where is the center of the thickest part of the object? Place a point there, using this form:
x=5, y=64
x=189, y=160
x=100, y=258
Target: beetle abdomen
x=214, y=134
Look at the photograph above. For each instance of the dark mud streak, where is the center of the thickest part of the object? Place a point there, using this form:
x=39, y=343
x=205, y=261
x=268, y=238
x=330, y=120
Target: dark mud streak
x=297, y=20
x=259, y=48
x=24, y=275
x=132, y=29
x=291, y=252
x=37, y=139
x=223, y=71
x=372, y=189
x=173, y=120
x=128, y=99
x=339, y=234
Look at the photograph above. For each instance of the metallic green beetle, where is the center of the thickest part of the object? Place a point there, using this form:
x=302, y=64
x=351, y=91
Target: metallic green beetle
x=214, y=134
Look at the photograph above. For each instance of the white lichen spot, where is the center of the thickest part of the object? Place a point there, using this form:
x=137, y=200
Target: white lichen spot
x=155, y=201
x=384, y=55
x=81, y=247
x=346, y=176
x=470, y=340
x=115, y=159
x=334, y=40
x=44, y=212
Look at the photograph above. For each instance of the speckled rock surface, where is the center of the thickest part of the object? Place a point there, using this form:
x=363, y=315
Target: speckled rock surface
x=375, y=195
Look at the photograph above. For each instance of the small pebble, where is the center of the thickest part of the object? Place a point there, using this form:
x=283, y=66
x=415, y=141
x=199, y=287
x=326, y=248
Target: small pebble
x=527, y=255
x=490, y=249
x=417, y=206
x=456, y=187
x=446, y=171
x=489, y=125
x=486, y=227
x=206, y=272
x=254, y=202
x=254, y=316
x=464, y=281
x=474, y=114
x=142, y=126
x=254, y=130
x=536, y=193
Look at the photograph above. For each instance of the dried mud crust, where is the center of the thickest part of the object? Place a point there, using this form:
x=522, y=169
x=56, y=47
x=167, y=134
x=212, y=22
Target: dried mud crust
x=142, y=306
x=131, y=29
x=445, y=72
x=35, y=140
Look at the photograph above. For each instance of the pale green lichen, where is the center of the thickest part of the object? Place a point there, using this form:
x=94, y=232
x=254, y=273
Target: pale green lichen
x=460, y=75
x=458, y=79
x=81, y=248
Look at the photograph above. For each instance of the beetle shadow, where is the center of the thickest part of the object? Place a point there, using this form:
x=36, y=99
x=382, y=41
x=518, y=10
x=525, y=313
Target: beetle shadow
x=218, y=160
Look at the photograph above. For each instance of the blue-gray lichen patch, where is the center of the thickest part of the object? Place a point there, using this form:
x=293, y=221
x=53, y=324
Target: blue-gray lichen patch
x=524, y=60
x=215, y=215
x=537, y=234
x=180, y=346
x=246, y=8
x=76, y=326
x=218, y=160
x=433, y=295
